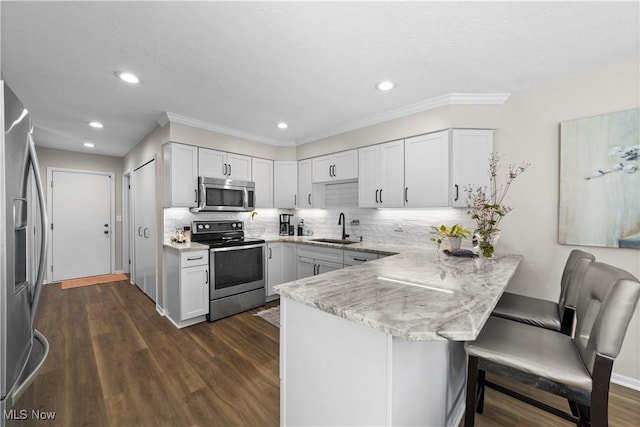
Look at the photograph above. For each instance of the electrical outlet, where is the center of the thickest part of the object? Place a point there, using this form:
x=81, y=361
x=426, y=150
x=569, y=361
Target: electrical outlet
x=398, y=227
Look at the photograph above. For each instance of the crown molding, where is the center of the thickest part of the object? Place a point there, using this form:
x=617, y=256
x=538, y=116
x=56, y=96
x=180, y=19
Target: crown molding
x=168, y=117
x=429, y=104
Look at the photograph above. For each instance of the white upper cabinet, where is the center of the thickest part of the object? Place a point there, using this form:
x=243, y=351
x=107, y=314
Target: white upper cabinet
x=212, y=163
x=304, y=184
x=285, y=178
x=180, y=175
x=335, y=167
x=470, y=151
x=263, y=177
x=309, y=195
x=239, y=167
x=381, y=175
x=219, y=164
x=426, y=174
x=368, y=182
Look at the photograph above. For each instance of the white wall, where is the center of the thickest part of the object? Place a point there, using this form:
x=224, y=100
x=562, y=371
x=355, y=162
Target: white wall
x=530, y=130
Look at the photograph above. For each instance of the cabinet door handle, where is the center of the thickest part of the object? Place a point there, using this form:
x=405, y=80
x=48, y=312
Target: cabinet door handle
x=229, y=169
x=309, y=199
x=334, y=173
x=194, y=258
x=377, y=196
x=406, y=194
x=224, y=170
x=360, y=259
x=146, y=233
x=295, y=199
x=196, y=190
x=140, y=231
x=269, y=253
x=456, y=198
x=381, y=195
x=206, y=277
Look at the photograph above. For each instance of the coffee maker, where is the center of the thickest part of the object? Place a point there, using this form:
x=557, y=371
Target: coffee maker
x=286, y=229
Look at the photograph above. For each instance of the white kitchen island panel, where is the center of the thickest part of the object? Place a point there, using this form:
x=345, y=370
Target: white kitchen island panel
x=335, y=372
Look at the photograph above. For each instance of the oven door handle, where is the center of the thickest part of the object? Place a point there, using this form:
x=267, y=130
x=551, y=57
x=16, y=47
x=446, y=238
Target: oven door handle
x=235, y=248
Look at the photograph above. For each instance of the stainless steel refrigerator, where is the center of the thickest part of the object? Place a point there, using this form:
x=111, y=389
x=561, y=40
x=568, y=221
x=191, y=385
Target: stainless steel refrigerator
x=23, y=349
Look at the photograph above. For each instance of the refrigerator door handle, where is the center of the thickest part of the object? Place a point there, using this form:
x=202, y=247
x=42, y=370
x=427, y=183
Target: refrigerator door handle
x=44, y=226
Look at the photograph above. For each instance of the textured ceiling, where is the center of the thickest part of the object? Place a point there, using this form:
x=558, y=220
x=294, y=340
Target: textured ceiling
x=244, y=66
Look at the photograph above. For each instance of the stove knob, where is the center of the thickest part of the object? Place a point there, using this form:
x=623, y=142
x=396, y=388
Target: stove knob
x=200, y=226
x=206, y=226
x=239, y=225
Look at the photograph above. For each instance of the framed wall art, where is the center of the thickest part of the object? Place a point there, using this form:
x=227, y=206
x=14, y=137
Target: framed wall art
x=600, y=181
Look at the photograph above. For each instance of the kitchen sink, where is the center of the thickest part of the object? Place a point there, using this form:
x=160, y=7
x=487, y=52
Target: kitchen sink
x=336, y=241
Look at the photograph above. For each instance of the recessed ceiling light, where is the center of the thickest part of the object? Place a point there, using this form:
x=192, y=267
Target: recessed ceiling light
x=88, y=144
x=385, y=85
x=127, y=77
x=96, y=125
x=282, y=125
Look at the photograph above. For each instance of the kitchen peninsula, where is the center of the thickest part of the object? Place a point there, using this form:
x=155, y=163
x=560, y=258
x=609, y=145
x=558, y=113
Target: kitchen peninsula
x=382, y=343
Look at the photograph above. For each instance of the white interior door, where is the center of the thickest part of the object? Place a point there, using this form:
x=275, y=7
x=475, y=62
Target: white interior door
x=81, y=212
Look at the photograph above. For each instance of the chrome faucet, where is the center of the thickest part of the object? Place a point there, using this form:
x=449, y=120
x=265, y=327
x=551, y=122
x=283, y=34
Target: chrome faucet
x=343, y=222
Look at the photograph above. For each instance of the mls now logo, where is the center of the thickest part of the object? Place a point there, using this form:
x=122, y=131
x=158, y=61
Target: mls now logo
x=23, y=414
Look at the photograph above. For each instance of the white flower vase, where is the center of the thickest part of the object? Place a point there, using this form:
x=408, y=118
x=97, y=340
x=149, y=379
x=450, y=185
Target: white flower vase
x=254, y=230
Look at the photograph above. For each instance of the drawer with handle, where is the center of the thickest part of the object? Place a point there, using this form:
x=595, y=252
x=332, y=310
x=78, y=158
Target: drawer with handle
x=193, y=258
x=357, y=257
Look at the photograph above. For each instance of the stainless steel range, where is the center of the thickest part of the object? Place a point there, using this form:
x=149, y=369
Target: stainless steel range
x=236, y=267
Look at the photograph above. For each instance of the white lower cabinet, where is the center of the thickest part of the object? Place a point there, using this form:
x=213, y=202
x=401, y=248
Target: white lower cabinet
x=187, y=286
x=194, y=291
x=315, y=260
x=281, y=265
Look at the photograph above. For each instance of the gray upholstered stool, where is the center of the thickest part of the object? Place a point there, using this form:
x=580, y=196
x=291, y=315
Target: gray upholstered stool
x=548, y=314
x=579, y=368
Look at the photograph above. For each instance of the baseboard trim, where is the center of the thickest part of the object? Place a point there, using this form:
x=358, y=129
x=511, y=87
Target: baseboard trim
x=160, y=310
x=628, y=382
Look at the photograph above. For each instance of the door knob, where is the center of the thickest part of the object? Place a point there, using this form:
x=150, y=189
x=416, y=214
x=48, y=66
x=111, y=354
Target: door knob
x=106, y=225
x=106, y=231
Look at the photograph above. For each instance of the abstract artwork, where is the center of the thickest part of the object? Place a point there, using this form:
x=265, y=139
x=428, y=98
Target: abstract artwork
x=600, y=181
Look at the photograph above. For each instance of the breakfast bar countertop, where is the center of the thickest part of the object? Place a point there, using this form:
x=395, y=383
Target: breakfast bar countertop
x=416, y=295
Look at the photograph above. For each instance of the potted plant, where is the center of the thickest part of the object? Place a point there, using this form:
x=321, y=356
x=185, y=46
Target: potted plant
x=453, y=235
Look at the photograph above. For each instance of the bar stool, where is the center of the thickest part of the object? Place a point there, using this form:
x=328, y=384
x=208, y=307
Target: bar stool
x=548, y=314
x=576, y=368
x=542, y=313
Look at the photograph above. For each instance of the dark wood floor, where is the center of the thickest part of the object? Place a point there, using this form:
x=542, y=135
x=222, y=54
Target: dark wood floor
x=115, y=361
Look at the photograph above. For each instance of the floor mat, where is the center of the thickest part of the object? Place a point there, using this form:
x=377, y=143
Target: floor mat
x=271, y=315
x=92, y=280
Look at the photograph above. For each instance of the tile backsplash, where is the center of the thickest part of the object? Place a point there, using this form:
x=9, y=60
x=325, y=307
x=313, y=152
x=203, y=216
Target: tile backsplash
x=378, y=225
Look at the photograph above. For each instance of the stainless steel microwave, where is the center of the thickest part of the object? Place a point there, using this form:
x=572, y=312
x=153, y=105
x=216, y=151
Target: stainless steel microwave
x=218, y=195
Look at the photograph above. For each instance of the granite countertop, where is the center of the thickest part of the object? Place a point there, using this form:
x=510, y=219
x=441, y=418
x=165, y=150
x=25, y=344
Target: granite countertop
x=372, y=247
x=186, y=247
x=416, y=295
